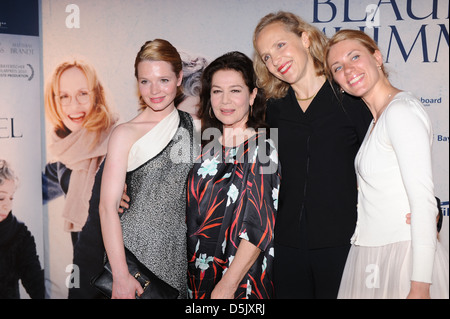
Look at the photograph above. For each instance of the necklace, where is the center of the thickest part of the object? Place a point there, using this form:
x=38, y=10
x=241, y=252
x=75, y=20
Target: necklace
x=323, y=79
x=382, y=109
x=308, y=98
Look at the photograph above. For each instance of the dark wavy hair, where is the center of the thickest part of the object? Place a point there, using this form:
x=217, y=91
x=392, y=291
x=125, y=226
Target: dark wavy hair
x=241, y=63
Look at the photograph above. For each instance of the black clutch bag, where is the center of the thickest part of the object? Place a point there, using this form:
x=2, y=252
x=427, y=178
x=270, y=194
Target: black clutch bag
x=154, y=287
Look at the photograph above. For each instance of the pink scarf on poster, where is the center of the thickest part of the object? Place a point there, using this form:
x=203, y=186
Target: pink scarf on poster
x=82, y=152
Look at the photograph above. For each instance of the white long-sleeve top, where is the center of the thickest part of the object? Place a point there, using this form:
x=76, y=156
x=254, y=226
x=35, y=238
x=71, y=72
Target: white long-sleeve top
x=394, y=178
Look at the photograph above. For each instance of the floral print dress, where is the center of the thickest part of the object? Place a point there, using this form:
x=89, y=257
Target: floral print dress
x=232, y=195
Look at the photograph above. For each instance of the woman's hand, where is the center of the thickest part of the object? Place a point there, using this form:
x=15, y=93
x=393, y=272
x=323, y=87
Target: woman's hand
x=124, y=200
x=245, y=257
x=419, y=290
x=126, y=287
x=223, y=290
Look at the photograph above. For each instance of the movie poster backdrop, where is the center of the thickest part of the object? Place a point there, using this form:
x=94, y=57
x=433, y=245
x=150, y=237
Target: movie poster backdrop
x=20, y=116
x=413, y=36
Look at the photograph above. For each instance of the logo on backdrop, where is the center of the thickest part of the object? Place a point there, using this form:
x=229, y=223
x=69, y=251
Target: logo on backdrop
x=428, y=101
x=442, y=138
x=23, y=71
x=444, y=207
x=359, y=16
x=8, y=128
x=20, y=49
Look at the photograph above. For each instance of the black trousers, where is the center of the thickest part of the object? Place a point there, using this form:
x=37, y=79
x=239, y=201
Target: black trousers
x=303, y=273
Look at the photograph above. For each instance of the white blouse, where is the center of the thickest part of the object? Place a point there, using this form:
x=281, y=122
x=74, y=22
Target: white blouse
x=394, y=173
x=154, y=141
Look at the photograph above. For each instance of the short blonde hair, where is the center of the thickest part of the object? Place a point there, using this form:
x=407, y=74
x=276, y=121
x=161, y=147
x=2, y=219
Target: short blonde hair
x=101, y=117
x=274, y=87
x=160, y=50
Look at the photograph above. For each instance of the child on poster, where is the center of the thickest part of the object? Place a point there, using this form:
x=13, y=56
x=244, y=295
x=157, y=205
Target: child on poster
x=18, y=256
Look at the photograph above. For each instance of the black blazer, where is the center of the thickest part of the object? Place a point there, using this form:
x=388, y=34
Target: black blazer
x=317, y=149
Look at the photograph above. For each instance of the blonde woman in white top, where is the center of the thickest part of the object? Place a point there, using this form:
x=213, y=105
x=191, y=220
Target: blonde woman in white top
x=389, y=258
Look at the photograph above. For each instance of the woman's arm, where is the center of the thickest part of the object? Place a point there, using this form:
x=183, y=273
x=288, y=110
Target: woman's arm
x=125, y=200
x=261, y=208
x=28, y=266
x=410, y=133
x=113, y=180
x=246, y=255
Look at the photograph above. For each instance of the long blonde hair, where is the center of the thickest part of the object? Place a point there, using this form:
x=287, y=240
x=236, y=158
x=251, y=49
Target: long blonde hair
x=99, y=119
x=273, y=87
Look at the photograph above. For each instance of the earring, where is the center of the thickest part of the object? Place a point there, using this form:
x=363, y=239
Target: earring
x=251, y=110
x=342, y=91
x=379, y=67
x=210, y=115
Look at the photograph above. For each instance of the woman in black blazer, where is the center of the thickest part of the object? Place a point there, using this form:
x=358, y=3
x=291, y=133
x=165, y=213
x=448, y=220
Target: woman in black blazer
x=319, y=133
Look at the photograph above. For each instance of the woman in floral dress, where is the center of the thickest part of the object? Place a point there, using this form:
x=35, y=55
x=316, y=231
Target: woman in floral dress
x=232, y=188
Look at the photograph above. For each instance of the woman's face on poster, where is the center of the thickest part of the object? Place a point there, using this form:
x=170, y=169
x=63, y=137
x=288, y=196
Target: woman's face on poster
x=75, y=98
x=7, y=190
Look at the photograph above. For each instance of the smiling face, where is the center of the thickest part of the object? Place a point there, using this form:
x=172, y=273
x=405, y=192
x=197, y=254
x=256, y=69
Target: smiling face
x=158, y=85
x=75, y=98
x=354, y=68
x=231, y=98
x=284, y=53
x=7, y=190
